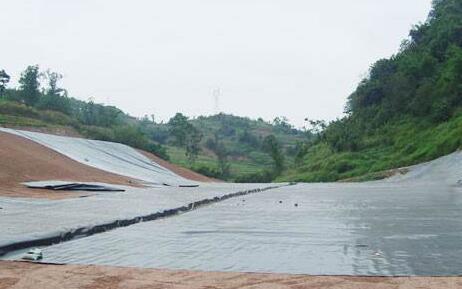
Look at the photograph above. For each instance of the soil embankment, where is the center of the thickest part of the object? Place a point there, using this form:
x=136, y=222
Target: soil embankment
x=21, y=275
x=23, y=160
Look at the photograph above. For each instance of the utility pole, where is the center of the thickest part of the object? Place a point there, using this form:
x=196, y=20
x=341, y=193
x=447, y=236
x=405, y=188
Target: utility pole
x=216, y=97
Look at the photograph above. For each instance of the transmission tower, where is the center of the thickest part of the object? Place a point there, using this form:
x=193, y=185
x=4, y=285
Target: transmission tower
x=216, y=98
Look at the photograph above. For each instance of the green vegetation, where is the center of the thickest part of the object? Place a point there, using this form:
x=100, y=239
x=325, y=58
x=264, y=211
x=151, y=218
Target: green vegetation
x=407, y=110
x=4, y=79
x=397, y=144
x=32, y=105
x=221, y=146
x=226, y=146
x=185, y=135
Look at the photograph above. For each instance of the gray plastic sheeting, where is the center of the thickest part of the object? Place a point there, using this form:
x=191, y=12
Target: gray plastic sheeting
x=108, y=156
x=24, y=219
x=335, y=229
x=408, y=225
x=444, y=170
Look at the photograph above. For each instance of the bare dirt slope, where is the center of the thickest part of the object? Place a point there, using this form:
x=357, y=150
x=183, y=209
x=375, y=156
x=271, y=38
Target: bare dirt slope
x=23, y=160
x=20, y=275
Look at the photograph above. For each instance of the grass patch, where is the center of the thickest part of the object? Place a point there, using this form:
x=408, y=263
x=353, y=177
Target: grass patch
x=237, y=167
x=396, y=145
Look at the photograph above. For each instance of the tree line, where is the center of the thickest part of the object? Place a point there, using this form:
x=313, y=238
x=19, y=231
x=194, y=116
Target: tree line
x=39, y=94
x=408, y=108
x=422, y=81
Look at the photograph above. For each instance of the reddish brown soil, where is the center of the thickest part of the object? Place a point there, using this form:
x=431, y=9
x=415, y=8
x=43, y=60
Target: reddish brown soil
x=23, y=160
x=184, y=172
x=20, y=275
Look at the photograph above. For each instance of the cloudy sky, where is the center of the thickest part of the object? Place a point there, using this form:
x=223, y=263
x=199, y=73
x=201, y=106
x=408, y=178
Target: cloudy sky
x=259, y=58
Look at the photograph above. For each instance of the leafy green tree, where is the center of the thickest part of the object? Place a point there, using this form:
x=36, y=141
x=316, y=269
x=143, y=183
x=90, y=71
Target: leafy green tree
x=155, y=131
x=222, y=159
x=54, y=97
x=216, y=145
x=88, y=113
x=52, y=79
x=193, y=140
x=274, y=149
x=282, y=123
x=301, y=149
x=4, y=79
x=315, y=128
x=29, y=85
x=423, y=81
x=185, y=135
x=91, y=113
x=130, y=135
x=179, y=127
x=247, y=137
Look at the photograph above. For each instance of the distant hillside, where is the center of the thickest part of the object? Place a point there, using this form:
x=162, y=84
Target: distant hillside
x=228, y=140
x=408, y=110
x=221, y=146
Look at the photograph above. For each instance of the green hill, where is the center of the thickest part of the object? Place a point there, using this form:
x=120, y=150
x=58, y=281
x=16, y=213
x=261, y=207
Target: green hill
x=239, y=140
x=222, y=146
x=408, y=110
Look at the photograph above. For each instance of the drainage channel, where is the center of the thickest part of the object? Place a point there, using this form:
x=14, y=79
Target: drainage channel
x=89, y=231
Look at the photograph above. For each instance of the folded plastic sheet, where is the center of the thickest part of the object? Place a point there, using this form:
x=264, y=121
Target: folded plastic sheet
x=72, y=186
x=108, y=156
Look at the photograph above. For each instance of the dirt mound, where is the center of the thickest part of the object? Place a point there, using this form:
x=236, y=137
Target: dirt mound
x=23, y=160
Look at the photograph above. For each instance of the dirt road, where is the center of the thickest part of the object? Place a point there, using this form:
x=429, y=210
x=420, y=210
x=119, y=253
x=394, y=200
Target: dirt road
x=18, y=275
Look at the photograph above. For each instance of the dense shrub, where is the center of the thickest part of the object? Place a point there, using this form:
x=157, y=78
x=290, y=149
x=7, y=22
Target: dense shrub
x=18, y=109
x=57, y=117
x=208, y=171
x=259, y=177
x=158, y=150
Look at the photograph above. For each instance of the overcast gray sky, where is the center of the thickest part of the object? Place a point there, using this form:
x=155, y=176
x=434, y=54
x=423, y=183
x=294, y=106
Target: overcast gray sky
x=268, y=57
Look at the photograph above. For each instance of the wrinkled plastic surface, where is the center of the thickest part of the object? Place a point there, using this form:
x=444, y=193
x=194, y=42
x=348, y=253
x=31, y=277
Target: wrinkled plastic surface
x=408, y=225
x=335, y=229
x=108, y=156
x=23, y=219
x=72, y=186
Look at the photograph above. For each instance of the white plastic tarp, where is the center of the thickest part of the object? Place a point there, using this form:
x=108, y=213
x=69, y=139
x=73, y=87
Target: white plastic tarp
x=108, y=156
